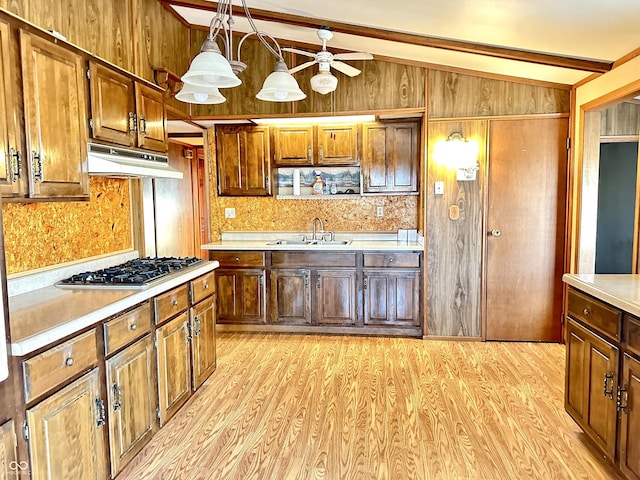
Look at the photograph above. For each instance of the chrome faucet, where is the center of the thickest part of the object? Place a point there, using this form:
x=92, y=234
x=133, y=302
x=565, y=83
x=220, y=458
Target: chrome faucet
x=313, y=224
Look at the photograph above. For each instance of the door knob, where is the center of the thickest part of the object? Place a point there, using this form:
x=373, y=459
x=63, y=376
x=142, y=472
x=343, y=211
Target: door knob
x=495, y=232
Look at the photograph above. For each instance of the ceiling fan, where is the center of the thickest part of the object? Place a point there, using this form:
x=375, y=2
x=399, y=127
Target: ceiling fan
x=324, y=82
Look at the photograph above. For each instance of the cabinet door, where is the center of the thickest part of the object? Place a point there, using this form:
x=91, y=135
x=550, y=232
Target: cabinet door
x=290, y=297
x=336, y=297
x=112, y=106
x=55, y=114
x=12, y=182
x=240, y=296
x=337, y=145
x=293, y=146
x=390, y=158
x=152, y=132
x=243, y=161
x=67, y=437
x=592, y=373
x=392, y=298
x=630, y=418
x=203, y=326
x=9, y=469
x=131, y=402
x=174, y=366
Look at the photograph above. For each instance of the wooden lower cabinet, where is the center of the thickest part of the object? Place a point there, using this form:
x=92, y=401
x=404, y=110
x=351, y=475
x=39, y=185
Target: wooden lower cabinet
x=591, y=383
x=290, y=296
x=629, y=402
x=9, y=468
x=203, y=326
x=67, y=433
x=174, y=366
x=335, y=302
x=131, y=401
x=391, y=297
x=241, y=295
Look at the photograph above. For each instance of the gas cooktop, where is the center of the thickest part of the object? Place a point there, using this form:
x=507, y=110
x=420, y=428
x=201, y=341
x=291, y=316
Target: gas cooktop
x=137, y=273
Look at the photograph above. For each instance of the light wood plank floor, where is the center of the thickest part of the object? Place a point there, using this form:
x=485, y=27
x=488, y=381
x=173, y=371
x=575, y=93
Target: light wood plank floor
x=283, y=407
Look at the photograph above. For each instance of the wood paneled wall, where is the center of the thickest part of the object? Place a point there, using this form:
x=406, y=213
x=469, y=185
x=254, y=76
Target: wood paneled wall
x=621, y=119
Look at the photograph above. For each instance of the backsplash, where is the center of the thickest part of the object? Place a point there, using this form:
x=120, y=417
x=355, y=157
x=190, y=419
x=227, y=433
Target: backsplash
x=38, y=235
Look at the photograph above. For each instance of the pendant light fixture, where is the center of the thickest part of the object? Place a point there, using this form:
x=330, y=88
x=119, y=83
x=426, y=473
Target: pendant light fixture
x=212, y=68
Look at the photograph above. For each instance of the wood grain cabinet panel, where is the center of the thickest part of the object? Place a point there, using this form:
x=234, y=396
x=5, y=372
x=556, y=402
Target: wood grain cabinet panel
x=390, y=157
x=203, y=327
x=56, y=123
x=391, y=297
x=67, y=433
x=174, y=366
x=202, y=287
x=335, y=302
x=629, y=402
x=152, y=132
x=171, y=303
x=126, y=328
x=293, y=145
x=596, y=314
x=338, y=145
x=322, y=145
x=8, y=454
x=241, y=295
x=290, y=296
x=131, y=402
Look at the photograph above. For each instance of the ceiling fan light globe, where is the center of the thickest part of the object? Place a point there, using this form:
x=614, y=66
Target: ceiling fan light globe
x=280, y=86
x=324, y=82
x=200, y=95
x=210, y=69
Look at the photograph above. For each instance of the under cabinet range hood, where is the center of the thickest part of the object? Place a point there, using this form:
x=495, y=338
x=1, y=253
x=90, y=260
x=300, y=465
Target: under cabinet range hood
x=108, y=161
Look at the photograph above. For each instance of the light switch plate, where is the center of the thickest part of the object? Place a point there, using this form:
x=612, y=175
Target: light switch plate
x=438, y=188
x=229, y=213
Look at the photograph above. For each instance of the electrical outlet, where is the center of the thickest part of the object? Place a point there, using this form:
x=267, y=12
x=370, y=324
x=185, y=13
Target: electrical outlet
x=379, y=211
x=229, y=213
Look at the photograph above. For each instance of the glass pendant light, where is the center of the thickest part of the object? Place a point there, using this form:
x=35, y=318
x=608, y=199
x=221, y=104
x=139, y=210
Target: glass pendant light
x=210, y=69
x=324, y=82
x=200, y=95
x=280, y=86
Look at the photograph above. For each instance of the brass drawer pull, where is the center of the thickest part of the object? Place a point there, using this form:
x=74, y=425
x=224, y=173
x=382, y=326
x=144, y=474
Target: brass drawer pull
x=133, y=327
x=69, y=362
x=174, y=303
x=586, y=311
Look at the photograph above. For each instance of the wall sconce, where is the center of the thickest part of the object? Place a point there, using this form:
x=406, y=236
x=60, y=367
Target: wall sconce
x=460, y=153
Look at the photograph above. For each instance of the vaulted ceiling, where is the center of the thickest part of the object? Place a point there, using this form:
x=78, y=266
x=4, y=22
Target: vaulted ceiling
x=559, y=41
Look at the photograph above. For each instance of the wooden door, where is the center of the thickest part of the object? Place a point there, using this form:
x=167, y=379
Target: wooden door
x=131, y=402
x=203, y=326
x=526, y=213
x=293, y=146
x=66, y=433
x=590, y=394
x=240, y=295
x=174, y=366
x=391, y=297
x=243, y=156
x=112, y=106
x=150, y=109
x=290, y=296
x=9, y=469
x=55, y=114
x=337, y=145
x=335, y=300
x=390, y=157
x=12, y=183
x=630, y=418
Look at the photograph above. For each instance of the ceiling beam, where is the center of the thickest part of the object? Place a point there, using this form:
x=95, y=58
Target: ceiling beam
x=554, y=60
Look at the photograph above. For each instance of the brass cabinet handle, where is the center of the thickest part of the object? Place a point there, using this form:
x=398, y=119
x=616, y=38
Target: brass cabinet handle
x=143, y=125
x=608, y=379
x=37, y=166
x=101, y=416
x=205, y=286
x=16, y=164
x=623, y=392
x=133, y=123
x=117, y=393
x=69, y=362
x=310, y=153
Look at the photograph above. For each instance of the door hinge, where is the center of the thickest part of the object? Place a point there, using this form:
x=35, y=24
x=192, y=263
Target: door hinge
x=91, y=124
x=88, y=73
x=158, y=414
x=155, y=343
x=568, y=143
x=25, y=430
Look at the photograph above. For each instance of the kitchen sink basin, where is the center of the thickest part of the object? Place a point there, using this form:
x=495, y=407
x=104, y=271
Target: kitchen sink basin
x=291, y=242
x=320, y=243
x=332, y=242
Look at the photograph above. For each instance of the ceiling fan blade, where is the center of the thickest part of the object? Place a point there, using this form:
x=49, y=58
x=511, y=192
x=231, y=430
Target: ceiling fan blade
x=353, y=56
x=344, y=68
x=302, y=66
x=299, y=52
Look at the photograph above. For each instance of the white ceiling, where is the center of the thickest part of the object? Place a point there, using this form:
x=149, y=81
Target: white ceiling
x=593, y=29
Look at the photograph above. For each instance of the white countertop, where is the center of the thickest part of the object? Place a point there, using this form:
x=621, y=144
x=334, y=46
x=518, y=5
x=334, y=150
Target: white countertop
x=46, y=315
x=622, y=291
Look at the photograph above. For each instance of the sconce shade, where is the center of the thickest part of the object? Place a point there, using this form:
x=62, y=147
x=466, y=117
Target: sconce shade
x=210, y=69
x=202, y=95
x=324, y=82
x=280, y=86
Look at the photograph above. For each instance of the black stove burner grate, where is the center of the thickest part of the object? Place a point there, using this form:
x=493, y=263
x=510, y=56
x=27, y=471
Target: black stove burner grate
x=138, y=272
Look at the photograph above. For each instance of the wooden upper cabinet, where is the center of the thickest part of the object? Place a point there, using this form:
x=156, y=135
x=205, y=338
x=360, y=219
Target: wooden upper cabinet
x=55, y=115
x=390, y=157
x=243, y=155
x=12, y=179
x=308, y=145
x=126, y=112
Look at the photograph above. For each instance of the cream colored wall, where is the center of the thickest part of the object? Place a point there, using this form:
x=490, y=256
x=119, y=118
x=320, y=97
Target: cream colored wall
x=621, y=81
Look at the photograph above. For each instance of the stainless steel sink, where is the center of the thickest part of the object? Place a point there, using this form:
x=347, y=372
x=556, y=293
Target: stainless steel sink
x=332, y=242
x=291, y=242
x=320, y=243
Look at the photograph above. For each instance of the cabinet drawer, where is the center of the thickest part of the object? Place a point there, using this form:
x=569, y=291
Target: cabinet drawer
x=52, y=367
x=303, y=259
x=124, y=329
x=593, y=312
x=239, y=259
x=171, y=303
x=631, y=331
x=396, y=260
x=202, y=287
